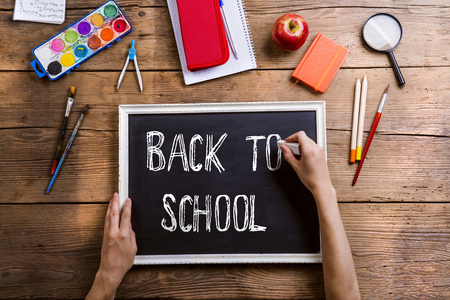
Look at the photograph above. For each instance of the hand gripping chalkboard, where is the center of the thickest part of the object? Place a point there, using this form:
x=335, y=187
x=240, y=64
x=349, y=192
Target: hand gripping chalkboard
x=209, y=184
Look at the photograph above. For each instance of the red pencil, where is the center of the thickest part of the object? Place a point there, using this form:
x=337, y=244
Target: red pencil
x=372, y=132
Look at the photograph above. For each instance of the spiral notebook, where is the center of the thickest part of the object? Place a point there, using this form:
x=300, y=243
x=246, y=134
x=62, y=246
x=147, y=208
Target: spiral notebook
x=240, y=32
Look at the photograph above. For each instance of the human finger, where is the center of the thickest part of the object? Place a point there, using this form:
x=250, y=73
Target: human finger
x=133, y=239
x=298, y=137
x=115, y=212
x=305, y=143
x=126, y=216
x=292, y=138
x=289, y=155
x=107, y=217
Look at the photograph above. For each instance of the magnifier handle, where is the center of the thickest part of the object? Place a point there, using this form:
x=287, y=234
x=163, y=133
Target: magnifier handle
x=400, y=79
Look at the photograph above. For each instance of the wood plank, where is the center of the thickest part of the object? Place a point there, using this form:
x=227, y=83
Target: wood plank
x=57, y=248
x=393, y=243
x=156, y=48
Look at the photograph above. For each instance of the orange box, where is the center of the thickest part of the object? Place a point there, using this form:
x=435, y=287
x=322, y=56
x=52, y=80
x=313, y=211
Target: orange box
x=320, y=63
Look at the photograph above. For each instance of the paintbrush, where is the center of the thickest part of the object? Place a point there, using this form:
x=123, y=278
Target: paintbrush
x=69, y=143
x=63, y=128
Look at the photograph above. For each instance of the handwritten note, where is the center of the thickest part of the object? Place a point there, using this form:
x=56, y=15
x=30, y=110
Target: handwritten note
x=45, y=11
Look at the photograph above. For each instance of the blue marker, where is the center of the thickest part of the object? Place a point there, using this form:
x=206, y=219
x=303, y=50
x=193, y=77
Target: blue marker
x=227, y=30
x=74, y=133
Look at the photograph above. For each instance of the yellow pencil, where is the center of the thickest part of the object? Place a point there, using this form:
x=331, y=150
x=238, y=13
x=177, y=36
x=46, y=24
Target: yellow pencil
x=362, y=112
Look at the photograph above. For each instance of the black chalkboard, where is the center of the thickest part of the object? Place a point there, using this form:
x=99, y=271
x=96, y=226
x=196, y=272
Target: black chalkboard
x=223, y=164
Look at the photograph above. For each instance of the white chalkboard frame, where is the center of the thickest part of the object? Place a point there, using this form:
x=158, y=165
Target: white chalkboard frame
x=126, y=110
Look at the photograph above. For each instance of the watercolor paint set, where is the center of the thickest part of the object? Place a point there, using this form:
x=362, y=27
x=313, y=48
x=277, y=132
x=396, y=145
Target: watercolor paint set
x=80, y=41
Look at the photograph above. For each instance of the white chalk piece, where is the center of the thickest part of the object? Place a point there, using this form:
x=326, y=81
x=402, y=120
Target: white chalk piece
x=293, y=146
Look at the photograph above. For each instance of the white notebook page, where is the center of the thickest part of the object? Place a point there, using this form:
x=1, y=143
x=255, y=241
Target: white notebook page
x=45, y=11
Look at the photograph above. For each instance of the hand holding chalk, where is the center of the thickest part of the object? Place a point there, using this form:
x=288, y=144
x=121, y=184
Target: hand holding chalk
x=311, y=167
x=292, y=146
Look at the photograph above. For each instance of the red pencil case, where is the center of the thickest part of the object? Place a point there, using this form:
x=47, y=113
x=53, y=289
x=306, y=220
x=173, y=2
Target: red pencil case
x=204, y=38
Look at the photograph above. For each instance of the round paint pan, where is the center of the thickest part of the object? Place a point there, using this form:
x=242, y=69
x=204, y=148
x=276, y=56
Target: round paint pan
x=97, y=20
x=107, y=34
x=68, y=60
x=80, y=51
x=84, y=28
x=120, y=25
x=57, y=45
x=71, y=36
x=110, y=11
x=45, y=53
x=54, y=68
x=94, y=42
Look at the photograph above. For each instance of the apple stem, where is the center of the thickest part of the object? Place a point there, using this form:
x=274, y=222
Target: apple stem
x=293, y=25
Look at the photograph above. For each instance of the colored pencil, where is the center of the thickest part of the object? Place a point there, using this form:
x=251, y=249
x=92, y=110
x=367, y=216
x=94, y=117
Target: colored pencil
x=72, y=137
x=63, y=128
x=372, y=132
x=355, y=121
x=362, y=112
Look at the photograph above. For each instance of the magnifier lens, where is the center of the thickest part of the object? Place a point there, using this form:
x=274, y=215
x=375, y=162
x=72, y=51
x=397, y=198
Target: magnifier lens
x=382, y=32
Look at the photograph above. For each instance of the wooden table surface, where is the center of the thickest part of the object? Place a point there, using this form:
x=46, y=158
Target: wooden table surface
x=396, y=217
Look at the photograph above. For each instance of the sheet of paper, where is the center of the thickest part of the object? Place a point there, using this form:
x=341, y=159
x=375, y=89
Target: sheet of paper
x=45, y=11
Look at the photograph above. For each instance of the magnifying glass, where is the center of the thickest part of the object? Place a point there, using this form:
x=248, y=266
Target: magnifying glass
x=382, y=32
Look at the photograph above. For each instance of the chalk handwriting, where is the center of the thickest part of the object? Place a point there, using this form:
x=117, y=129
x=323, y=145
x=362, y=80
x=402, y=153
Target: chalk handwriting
x=211, y=150
x=153, y=149
x=255, y=139
x=249, y=213
x=279, y=159
x=178, y=143
x=156, y=160
x=192, y=147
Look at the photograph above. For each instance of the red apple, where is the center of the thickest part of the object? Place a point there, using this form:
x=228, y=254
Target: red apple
x=290, y=32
